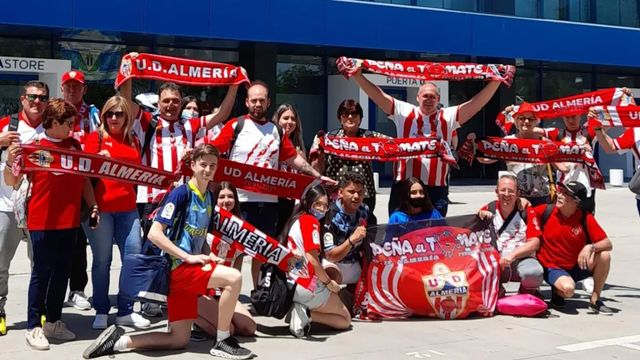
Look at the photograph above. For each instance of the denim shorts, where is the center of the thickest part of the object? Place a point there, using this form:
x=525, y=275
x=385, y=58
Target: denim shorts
x=551, y=275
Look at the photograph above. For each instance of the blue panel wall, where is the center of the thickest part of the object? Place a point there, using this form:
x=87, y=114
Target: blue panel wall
x=348, y=24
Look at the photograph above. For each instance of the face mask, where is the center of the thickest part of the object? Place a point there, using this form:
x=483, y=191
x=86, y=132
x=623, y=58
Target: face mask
x=416, y=202
x=317, y=213
x=189, y=114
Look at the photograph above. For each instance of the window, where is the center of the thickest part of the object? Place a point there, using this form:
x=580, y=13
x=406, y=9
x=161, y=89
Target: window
x=579, y=10
x=526, y=8
x=556, y=84
x=608, y=12
x=629, y=16
x=554, y=9
x=301, y=83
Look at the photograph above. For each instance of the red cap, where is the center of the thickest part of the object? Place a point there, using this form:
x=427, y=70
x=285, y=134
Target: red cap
x=73, y=75
x=525, y=107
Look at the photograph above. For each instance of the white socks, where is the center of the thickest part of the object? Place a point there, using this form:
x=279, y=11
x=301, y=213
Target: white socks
x=122, y=343
x=221, y=335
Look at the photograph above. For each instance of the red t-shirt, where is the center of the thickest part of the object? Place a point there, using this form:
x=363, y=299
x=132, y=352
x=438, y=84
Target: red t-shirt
x=112, y=195
x=563, y=238
x=55, y=197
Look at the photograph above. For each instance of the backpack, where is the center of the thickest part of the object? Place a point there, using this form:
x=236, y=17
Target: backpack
x=583, y=220
x=273, y=295
x=238, y=129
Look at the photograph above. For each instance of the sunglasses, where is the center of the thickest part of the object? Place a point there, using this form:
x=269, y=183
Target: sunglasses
x=523, y=118
x=353, y=113
x=33, y=97
x=118, y=114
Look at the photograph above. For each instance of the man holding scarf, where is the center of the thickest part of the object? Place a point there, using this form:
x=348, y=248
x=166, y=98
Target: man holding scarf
x=423, y=120
x=259, y=143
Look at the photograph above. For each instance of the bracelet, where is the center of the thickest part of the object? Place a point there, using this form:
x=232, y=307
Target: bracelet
x=350, y=243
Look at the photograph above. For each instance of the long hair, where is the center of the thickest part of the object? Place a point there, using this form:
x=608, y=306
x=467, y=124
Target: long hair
x=296, y=135
x=218, y=187
x=304, y=207
x=186, y=100
x=127, y=129
x=405, y=196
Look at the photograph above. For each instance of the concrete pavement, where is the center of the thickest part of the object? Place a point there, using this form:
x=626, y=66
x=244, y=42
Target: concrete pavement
x=572, y=334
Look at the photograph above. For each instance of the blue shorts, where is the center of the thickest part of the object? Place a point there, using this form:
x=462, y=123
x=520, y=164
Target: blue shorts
x=551, y=275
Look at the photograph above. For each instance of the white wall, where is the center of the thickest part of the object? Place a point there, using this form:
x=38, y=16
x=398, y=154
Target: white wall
x=48, y=70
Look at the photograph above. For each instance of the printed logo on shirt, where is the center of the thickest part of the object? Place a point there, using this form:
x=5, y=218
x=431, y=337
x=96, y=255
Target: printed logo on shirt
x=167, y=211
x=316, y=237
x=576, y=230
x=328, y=239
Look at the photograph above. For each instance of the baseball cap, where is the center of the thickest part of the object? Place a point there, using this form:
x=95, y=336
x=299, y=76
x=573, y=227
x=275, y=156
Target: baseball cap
x=575, y=189
x=525, y=107
x=73, y=75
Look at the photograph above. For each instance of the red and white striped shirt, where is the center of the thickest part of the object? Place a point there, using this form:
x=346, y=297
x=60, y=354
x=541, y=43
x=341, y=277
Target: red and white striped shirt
x=411, y=123
x=629, y=140
x=166, y=147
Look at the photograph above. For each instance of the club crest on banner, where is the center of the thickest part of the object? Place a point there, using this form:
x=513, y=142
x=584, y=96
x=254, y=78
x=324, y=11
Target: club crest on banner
x=447, y=291
x=41, y=158
x=125, y=67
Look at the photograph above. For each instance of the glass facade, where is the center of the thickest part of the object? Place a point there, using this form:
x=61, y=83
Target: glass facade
x=608, y=12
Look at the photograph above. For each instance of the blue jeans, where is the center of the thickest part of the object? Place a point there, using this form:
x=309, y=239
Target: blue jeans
x=52, y=250
x=123, y=229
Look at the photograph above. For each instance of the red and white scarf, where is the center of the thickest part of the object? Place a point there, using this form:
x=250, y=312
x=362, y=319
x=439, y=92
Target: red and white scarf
x=382, y=149
x=179, y=70
x=41, y=158
x=244, y=237
x=541, y=152
x=421, y=70
x=566, y=106
x=616, y=116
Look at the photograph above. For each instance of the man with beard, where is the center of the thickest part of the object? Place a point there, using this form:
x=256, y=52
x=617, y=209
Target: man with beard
x=254, y=140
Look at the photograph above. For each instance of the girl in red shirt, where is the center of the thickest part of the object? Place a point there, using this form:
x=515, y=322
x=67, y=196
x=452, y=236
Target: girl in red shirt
x=120, y=221
x=53, y=219
x=315, y=290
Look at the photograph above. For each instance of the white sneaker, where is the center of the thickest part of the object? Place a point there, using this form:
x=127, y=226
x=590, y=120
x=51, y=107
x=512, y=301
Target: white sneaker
x=79, y=300
x=587, y=285
x=36, y=339
x=151, y=310
x=100, y=322
x=300, y=324
x=133, y=319
x=58, y=330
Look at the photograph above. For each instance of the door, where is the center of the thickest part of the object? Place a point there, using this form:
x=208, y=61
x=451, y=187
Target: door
x=383, y=125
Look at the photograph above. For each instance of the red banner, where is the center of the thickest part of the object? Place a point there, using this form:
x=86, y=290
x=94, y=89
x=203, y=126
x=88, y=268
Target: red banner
x=566, y=106
x=432, y=268
x=40, y=158
x=616, y=116
x=382, y=149
x=179, y=70
x=421, y=70
x=262, y=180
x=244, y=237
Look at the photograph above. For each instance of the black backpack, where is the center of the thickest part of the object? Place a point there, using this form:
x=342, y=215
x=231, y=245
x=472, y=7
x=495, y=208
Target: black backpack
x=583, y=220
x=273, y=295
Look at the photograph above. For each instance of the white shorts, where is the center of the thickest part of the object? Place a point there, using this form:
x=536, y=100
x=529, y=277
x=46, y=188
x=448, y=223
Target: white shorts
x=312, y=300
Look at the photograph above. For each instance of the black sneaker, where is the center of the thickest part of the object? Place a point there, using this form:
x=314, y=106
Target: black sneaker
x=557, y=301
x=103, y=345
x=230, y=349
x=600, y=308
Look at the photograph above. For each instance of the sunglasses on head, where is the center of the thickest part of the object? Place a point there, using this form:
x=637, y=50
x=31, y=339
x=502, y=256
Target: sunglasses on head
x=118, y=114
x=33, y=97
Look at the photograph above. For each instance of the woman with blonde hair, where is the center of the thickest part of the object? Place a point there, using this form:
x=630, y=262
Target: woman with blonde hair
x=119, y=216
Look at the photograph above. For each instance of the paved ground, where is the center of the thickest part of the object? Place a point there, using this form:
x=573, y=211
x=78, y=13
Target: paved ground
x=572, y=334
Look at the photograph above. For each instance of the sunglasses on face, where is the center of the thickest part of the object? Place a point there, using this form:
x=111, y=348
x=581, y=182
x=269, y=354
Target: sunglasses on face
x=524, y=118
x=118, y=114
x=347, y=114
x=33, y=97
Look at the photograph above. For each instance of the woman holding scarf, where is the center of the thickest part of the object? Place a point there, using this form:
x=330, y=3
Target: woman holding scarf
x=53, y=220
x=117, y=200
x=350, y=116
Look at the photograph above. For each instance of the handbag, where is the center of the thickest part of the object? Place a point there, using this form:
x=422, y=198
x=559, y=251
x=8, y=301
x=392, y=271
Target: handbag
x=148, y=273
x=521, y=305
x=634, y=183
x=273, y=296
